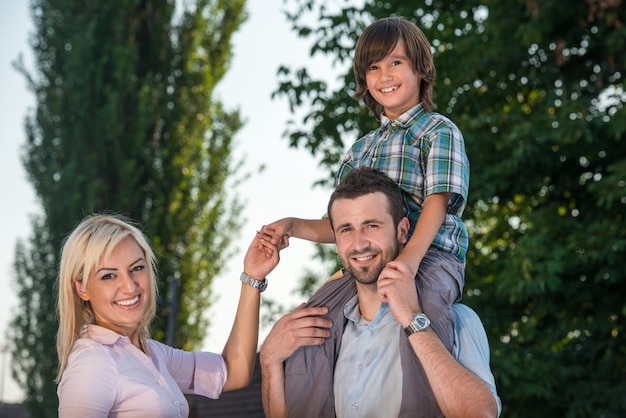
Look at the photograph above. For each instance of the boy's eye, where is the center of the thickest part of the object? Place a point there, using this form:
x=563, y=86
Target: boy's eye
x=396, y=63
x=372, y=67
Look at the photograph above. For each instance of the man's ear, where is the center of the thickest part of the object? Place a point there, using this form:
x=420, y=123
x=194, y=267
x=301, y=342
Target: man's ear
x=403, y=230
x=80, y=290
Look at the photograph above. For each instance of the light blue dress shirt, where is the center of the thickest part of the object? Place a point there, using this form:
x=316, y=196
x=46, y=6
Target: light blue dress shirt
x=368, y=375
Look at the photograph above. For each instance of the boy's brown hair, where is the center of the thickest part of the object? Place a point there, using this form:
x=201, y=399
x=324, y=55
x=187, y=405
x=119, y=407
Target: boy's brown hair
x=377, y=41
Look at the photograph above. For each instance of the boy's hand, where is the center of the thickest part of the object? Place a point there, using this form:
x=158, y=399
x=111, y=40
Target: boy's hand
x=279, y=232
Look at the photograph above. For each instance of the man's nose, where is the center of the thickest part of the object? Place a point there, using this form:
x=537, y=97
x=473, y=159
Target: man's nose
x=360, y=240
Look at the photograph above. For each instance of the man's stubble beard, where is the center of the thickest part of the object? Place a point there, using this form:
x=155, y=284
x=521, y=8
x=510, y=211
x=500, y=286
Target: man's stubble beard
x=370, y=274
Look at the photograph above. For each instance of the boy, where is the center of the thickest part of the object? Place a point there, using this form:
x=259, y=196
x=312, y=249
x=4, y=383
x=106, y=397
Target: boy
x=422, y=151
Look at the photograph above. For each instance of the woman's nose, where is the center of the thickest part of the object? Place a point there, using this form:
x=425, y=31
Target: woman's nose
x=128, y=281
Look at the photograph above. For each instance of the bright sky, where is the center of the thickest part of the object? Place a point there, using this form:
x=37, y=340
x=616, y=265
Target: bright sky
x=284, y=189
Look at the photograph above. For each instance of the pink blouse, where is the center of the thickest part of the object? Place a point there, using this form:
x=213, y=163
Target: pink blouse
x=107, y=376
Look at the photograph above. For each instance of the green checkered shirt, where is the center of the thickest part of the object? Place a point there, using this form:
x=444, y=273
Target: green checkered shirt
x=424, y=153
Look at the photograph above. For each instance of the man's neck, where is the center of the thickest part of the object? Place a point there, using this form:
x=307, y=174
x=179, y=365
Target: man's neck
x=369, y=301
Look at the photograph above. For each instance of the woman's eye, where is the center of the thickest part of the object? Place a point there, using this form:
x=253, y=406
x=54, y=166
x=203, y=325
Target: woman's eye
x=138, y=268
x=107, y=276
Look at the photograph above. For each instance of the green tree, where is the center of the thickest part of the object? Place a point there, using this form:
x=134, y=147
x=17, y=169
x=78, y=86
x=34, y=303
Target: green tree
x=537, y=89
x=126, y=122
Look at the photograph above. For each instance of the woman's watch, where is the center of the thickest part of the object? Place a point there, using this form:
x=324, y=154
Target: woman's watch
x=257, y=284
x=419, y=323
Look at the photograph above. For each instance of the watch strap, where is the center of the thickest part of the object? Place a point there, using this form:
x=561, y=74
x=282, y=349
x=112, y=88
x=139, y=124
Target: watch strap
x=257, y=284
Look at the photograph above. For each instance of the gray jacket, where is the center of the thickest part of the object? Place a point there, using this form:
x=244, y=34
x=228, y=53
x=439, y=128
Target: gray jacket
x=309, y=371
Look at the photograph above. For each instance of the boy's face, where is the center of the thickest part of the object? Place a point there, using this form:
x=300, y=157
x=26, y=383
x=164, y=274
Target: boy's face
x=393, y=83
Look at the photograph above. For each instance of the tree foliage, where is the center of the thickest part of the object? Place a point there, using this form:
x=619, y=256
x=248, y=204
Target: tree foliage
x=537, y=90
x=125, y=122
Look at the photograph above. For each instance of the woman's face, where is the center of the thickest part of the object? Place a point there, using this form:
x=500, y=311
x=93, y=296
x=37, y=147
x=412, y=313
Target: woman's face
x=119, y=289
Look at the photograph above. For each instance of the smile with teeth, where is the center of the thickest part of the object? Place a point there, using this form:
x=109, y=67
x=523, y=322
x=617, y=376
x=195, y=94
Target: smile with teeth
x=127, y=302
x=364, y=258
x=388, y=89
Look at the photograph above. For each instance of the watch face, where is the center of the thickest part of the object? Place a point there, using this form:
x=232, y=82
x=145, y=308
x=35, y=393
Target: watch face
x=421, y=321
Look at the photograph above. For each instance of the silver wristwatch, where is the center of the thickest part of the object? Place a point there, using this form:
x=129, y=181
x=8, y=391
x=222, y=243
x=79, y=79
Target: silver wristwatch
x=419, y=323
x=257, y=284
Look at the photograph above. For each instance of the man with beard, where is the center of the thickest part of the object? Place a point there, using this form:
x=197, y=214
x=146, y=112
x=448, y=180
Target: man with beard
x=362, y=346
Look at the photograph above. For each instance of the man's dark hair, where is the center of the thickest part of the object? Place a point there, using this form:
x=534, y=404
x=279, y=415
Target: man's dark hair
x=362, y=181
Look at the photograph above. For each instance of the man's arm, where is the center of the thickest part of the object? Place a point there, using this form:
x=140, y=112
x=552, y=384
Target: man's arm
x=302, y=327
x=459, y=392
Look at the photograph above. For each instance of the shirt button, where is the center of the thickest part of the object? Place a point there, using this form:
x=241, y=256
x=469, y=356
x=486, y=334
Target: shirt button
x=176, y=403
x=355, y=406
x=360, y=366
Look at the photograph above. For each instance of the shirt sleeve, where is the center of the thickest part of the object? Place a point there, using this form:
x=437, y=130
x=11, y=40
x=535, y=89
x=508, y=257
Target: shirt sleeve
x=85, y=388
x=471, y=346
x=195, y=372
x=447, y=167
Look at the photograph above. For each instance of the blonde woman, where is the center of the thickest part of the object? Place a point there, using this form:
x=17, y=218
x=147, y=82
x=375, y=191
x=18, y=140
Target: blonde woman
x=108, y=365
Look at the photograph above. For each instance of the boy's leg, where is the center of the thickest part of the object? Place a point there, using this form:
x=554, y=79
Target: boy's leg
x=440, y=280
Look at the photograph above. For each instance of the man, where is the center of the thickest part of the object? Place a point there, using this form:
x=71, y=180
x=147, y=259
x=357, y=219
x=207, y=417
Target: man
x=362, y=346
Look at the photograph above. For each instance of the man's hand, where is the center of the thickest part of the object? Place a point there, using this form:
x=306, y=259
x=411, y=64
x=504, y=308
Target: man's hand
x=302, y=327
x=396, y=286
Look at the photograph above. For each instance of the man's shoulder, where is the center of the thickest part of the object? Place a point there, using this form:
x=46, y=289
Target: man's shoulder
x=335, y=291
x=466, y=316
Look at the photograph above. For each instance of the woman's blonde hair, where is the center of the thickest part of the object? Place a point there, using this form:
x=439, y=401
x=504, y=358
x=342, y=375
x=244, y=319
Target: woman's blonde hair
x=377, y=41
x=92, y=240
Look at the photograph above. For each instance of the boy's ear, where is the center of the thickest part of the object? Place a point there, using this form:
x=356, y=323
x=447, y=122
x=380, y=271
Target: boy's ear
x=80, y=290
x=403, y=230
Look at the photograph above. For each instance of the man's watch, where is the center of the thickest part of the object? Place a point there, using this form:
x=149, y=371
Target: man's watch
x=257, y=284
x=419, y=323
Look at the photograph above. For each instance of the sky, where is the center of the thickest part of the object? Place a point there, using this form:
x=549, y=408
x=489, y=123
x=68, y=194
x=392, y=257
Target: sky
x=263, y=43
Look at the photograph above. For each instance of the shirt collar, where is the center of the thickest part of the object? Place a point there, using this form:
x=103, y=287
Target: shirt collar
x=351, y=311
x=102, y=335
x=405, y=118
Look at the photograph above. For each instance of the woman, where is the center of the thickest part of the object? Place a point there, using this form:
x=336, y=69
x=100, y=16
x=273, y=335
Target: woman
x=108, y=365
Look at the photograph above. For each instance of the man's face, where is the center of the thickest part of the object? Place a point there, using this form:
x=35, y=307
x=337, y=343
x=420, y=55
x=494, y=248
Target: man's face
x=365, y=235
